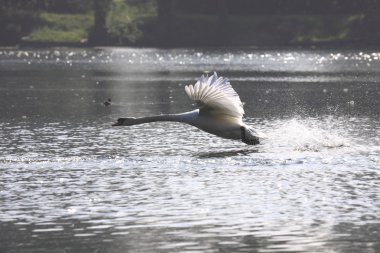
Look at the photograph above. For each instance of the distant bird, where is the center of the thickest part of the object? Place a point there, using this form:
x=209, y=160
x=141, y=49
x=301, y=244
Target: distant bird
x=220, y=111
x=107, y=102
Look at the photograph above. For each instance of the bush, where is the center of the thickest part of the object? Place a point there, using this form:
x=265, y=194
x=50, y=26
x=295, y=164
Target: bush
x=125, y=21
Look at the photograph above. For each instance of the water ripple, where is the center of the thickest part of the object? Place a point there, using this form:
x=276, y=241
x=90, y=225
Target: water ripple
x=71, y=182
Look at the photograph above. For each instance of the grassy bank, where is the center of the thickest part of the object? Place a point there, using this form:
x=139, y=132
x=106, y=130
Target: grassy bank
x=62, y=27
x=125, y=25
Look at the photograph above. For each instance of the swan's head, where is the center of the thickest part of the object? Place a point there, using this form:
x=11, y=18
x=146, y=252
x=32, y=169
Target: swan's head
x=125, y=122
x=249, y=135
x=119, y=122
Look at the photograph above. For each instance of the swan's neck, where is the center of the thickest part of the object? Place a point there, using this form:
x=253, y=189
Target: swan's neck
x=186, y=117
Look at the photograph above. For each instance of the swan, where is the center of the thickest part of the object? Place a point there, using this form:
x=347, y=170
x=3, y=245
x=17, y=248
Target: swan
x=220, y=111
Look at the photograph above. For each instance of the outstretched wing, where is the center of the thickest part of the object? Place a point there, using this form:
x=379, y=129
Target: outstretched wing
x=215, y=96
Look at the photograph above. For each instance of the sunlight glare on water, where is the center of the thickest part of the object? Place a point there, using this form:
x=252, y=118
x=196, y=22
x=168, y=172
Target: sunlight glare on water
x=71, y=182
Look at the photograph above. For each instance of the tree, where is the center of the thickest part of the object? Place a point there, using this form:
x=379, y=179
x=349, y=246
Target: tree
x=222, y=18
x=166, y=9
x=98, y=35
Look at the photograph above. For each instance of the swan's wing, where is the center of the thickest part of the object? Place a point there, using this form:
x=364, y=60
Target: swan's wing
x=215, y=96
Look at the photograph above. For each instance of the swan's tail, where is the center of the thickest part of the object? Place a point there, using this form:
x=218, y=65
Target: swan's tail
x=125, y=122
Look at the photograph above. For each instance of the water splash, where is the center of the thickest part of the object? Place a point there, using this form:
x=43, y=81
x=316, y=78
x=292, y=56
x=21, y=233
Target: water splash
x=304, y=135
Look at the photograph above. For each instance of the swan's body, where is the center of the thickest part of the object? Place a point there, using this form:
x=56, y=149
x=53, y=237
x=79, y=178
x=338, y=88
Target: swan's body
x=220, y=111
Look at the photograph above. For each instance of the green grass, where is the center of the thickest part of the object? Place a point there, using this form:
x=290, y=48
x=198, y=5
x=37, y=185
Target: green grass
x=62, y=27
x=49, y=34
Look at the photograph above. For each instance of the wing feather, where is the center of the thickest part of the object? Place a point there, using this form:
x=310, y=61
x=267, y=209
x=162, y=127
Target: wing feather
x=215, y=95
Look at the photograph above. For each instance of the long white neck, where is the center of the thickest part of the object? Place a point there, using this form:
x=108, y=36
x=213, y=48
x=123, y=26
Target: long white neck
x=187, y=117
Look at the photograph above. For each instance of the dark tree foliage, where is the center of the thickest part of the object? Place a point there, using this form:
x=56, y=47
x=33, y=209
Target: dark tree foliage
x=22, y=4
x=165, y=14
x=19, y=17
x=69, y=6
x=278, y=7
x=60, y=6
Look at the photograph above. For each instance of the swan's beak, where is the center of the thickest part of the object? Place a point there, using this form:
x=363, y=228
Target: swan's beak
x=119, y=122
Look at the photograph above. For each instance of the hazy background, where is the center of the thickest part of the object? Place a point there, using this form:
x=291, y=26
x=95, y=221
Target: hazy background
x=189, y=23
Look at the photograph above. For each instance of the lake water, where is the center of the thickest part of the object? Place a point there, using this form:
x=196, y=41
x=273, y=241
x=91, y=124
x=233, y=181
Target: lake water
x=69, y=182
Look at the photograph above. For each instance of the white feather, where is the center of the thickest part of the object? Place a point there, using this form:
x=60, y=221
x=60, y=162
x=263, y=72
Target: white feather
x=215, y=96
x=220, y=111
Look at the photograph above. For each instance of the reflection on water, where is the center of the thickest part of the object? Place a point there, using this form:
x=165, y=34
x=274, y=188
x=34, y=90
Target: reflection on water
x=232, y=152
x=70, y=182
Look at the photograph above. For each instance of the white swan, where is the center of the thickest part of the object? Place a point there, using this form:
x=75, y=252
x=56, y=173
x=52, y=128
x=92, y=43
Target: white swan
x=220, y=111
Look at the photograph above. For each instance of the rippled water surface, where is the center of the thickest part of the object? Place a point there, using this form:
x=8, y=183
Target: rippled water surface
x=71, y=183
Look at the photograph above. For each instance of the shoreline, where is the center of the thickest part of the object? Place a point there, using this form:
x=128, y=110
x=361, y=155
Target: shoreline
x=297, y=45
